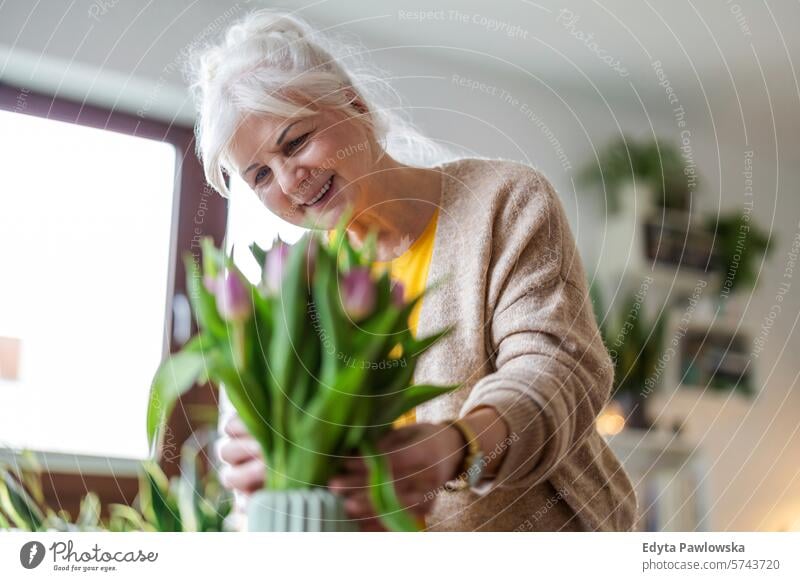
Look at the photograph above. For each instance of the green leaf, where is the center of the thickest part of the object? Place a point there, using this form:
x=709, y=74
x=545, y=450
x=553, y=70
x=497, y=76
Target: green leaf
x=4, y=524
x=154, y=496
x=123, y=518
x=17, y=504
x=89, y=515
x=30, y=476
x=174, y=377
x=204, y=304
x=248, y=397
x=258, y=253
x=414, y=396
x=382, y=493
x=326, y=321
x=189, y=492
x=213, y=258
x=290, y=329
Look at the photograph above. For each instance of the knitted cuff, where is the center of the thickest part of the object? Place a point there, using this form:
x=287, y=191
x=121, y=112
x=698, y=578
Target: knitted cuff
x=526, y=439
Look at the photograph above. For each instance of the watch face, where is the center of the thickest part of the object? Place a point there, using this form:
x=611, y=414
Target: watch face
x=475, y=470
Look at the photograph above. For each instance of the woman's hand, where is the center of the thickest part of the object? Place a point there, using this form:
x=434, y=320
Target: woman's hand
x=244, y=466
x=422, y=457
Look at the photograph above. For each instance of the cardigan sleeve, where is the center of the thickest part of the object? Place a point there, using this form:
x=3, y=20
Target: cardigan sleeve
x=552, y=374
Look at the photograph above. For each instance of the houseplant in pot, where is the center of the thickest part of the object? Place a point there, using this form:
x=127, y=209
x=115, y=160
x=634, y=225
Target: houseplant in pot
x=741, y=244
x=654, y=163
x=316, y=358
x=194, y=501
x=635, y=344
x=23, y=506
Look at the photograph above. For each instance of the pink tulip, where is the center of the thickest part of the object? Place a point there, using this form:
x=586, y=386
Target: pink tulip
x=398, y=294
x=275, y=265
x=233, y=303
x=358, y=293
x=210, y=283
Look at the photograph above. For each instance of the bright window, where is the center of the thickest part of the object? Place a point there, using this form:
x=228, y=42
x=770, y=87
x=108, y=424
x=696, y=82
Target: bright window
x=85, y=242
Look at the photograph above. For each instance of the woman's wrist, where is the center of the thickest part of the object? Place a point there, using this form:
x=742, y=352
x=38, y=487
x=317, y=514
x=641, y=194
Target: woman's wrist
x=492, y=431
x=460, y=443
x=473, y=436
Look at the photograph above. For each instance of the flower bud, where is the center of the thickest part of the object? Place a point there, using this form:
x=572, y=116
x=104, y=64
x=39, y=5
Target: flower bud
x=358, y=293
x=274, y=266
x=398, y=294
x=233, y=303
x=210, y=283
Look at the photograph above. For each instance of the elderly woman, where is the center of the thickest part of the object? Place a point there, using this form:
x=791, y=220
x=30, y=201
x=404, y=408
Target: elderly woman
x=515, y=447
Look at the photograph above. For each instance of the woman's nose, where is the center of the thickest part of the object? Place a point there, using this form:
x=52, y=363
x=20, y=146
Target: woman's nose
x=290, y=178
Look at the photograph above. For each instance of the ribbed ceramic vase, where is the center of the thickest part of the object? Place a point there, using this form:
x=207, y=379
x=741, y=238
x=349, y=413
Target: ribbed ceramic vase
x=314, y=510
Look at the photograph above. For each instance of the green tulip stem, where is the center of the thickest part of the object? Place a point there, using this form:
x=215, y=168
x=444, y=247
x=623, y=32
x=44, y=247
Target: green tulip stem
x=239, y=351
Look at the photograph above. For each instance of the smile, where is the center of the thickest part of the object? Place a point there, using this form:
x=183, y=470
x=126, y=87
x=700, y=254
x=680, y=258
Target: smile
x=324, y=190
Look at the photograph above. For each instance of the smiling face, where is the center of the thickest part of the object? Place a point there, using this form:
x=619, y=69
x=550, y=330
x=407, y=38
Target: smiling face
x=305, y=170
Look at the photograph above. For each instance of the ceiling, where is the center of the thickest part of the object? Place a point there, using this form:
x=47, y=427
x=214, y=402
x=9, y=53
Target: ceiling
x=61, y=44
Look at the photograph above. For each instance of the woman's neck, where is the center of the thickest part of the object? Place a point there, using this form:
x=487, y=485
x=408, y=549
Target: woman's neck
x=399, y=202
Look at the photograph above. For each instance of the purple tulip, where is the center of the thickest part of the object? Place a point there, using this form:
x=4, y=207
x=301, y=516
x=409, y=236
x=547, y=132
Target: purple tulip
x=358, y=293
x=210, y=283
x=233, y=303
x=398, y=294
x=275, y=265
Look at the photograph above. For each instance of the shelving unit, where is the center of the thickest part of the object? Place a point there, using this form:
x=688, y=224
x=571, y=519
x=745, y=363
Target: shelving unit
x=668, y=246
x=669, y=478
x=668, y=258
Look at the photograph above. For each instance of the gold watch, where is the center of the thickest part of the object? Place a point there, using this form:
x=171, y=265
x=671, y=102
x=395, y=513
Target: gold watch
x=472, y=467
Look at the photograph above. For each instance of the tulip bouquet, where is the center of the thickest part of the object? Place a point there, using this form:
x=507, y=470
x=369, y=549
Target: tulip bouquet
x=317, y=359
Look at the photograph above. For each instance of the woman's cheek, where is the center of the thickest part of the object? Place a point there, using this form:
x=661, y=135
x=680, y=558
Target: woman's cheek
x=279, y=205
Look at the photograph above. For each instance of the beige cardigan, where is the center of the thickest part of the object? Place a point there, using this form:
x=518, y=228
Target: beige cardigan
x=525, y=342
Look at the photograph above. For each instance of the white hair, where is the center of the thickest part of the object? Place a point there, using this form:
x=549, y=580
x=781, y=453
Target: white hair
x=275, y=63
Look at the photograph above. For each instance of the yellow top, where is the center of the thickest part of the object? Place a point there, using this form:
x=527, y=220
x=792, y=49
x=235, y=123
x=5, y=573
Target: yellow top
x=411, y=269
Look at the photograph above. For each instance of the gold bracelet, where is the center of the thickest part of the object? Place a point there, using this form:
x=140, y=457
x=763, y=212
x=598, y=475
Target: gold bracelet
x=471, y=469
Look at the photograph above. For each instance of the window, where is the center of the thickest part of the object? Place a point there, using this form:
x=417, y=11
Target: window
x=97, y=209
x=85, y=232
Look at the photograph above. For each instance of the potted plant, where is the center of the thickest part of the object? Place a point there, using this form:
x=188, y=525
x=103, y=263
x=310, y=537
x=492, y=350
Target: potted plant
x=635, y=344
x=739, y=245
x=23, y=507
x=655, y=163
x=195, y=501
x=316, y=358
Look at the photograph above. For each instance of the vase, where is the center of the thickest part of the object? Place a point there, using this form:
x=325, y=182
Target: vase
x=304, y=510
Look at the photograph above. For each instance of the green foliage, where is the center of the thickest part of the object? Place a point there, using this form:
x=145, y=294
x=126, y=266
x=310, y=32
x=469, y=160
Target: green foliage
x=655, y=163
x=740, y=245
x=634, y=342
x=195, y=501
x=22, y=505
x=312, y=382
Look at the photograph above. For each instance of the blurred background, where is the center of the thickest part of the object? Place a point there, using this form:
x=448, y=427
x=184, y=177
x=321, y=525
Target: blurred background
x=670, y=130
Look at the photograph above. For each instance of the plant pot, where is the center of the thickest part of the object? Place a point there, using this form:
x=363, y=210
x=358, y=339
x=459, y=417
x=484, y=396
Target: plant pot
x=634, y=406
x=306, y=510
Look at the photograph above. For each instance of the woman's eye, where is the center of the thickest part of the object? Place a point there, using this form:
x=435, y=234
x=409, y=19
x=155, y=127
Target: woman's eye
x=262, y=173
x=297, y=142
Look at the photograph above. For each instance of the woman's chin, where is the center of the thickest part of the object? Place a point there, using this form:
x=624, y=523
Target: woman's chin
x=325, y=218
x=326, y=214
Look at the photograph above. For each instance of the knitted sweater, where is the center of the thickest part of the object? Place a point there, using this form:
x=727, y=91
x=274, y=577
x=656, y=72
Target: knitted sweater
x=524, y=342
